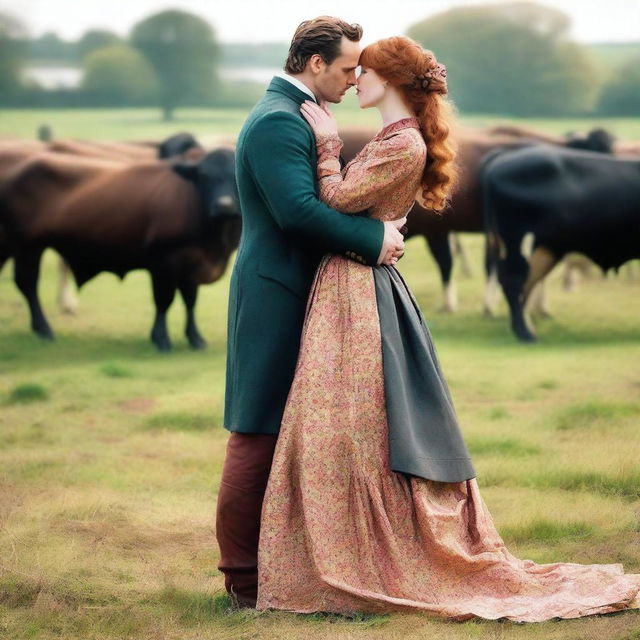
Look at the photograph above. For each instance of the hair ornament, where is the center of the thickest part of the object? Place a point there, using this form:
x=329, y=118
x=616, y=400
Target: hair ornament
x=438, y=73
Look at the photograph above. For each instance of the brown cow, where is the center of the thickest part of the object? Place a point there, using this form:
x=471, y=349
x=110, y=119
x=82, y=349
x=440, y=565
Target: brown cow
x=179, y=222
x=181, y=146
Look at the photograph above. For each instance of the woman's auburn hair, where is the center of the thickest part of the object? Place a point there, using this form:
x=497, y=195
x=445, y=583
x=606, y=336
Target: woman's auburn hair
x=405, y=64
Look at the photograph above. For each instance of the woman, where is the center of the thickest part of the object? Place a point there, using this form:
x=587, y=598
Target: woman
x=372, y=503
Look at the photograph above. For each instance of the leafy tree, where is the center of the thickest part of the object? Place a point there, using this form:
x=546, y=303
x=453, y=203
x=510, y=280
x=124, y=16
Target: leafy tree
x=49, y=46
x=119, y=74
x=12, y=53
x=621, y=95
x=183, y=50
x=511, y=58
x=95, y=39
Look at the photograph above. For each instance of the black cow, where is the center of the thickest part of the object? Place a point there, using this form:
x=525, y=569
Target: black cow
x=180, y=222
x=570, y=201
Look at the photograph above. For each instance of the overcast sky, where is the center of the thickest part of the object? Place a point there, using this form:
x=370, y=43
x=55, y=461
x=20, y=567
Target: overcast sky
x=275, y=20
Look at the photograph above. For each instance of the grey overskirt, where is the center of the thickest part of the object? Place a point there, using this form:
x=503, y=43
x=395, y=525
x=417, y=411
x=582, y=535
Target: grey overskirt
x=424, y=435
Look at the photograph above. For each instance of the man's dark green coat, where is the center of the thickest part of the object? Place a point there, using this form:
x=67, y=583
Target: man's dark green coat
x=286, y=230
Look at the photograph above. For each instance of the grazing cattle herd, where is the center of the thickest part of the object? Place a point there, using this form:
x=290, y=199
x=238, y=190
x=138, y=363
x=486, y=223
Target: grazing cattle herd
x=172, y=208
x=179, y=220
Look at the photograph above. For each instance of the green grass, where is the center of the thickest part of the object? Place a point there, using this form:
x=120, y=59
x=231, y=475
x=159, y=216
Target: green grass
x=27, y=392
x=180, y=421
x=590, y=414
x=115, y=370
x=547, y=531
x=108, y=487
x=501, y=447
x=626, y=485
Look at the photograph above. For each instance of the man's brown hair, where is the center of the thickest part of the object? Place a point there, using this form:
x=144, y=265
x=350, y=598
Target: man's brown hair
x=321, y=35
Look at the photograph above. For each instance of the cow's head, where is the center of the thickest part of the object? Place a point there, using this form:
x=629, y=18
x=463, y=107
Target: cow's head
x=181, y=145
x=598, y=140
x=214, y=178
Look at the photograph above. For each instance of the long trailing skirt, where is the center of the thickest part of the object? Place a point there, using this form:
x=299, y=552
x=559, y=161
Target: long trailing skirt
x=342, y=532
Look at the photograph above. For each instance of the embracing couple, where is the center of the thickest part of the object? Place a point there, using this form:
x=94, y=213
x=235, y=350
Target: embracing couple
x=347, y=485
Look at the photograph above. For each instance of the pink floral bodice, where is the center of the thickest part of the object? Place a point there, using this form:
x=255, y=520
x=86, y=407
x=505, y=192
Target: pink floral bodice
x=383, y=178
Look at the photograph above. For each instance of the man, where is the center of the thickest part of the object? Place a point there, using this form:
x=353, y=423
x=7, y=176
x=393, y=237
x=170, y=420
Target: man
x=286, y=230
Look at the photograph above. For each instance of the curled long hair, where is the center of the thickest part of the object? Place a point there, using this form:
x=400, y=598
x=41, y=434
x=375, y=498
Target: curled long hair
x=416, y=72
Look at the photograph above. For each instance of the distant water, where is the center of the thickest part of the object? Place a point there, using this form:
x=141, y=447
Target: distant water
x=53, y=77
x=70, y=77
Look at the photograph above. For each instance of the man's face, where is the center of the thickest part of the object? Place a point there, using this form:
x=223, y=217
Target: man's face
x=336, y=78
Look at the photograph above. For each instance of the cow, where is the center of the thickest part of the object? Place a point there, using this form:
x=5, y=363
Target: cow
x=569, y=201
x=180, y=146
x=181, y=222
x=106, y=150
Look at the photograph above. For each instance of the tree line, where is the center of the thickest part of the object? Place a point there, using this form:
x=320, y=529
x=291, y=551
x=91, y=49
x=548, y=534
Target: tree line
x=518, y=59
x=170, y=59
x=504, y=59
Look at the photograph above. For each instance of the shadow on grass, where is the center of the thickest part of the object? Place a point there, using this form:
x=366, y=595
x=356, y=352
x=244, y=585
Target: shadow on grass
x=195, y=607
x=474, y=329
x=26, y=352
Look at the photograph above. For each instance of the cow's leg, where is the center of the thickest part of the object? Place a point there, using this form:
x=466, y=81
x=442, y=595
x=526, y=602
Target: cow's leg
x=458, y=249
x=5, y=253
x=491, y=257
x=536, y=303
x=512, y=274
x=541, y=263
x=490, y=295
x=189, y=292
x=26, y=271
x=441, y=251
x=67, y=299
x=164, y=290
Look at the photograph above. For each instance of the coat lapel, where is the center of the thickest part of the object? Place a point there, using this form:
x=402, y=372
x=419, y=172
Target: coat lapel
x=284, y=87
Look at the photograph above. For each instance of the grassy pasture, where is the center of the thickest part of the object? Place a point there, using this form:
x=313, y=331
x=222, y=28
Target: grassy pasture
x=110, y=453
x=145, y=124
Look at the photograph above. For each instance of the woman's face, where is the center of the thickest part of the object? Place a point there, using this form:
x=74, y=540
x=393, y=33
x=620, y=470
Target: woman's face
x=370, y=88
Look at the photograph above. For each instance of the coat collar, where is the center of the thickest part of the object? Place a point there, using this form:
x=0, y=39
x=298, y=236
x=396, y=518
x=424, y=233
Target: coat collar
x=280, y=85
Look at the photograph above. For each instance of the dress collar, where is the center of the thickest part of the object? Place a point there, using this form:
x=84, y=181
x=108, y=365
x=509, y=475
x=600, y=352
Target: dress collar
x=403, y=123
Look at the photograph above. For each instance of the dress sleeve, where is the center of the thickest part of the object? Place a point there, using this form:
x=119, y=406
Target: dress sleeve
x=373, y=172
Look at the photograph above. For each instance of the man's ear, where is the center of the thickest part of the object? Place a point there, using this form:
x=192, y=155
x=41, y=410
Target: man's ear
x=316, y=63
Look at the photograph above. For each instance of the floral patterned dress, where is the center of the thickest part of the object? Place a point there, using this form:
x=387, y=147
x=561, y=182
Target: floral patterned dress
x=341, y=530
